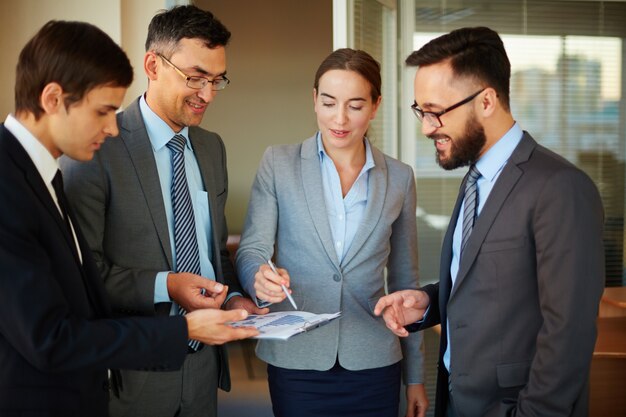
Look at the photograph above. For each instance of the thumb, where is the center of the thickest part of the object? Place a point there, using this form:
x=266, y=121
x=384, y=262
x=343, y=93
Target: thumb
x=212, y=286
x=233, y=315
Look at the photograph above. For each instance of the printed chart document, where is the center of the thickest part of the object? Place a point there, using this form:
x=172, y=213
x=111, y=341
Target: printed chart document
x=284, y=324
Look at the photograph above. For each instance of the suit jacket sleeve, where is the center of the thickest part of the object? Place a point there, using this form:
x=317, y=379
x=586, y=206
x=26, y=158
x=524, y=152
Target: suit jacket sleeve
x=402, y=273
x=257, y=243
x=567, y=228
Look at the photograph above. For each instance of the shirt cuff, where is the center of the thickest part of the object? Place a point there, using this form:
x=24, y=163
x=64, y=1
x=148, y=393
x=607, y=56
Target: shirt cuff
x=231, y=295
x=262, y=304
x=160, y=288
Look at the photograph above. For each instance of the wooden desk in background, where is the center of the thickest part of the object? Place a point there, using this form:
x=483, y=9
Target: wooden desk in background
x=613, y=302
x=608, y=369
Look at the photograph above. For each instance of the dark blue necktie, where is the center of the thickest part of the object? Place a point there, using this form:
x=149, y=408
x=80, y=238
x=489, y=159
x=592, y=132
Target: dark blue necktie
x=185, y=240
x=471, y=205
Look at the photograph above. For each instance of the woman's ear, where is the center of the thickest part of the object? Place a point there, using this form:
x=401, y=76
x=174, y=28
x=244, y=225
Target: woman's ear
x=376, y=106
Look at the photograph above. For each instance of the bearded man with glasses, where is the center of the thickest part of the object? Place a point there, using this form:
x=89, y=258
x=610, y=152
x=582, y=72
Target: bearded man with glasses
x=522, y=262
x=152, y=206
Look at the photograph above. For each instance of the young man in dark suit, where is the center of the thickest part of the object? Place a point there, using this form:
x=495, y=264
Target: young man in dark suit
x=57, y=337
x=522, y=263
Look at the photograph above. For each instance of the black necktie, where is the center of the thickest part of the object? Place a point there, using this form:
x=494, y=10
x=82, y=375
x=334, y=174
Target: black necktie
x=57, y=184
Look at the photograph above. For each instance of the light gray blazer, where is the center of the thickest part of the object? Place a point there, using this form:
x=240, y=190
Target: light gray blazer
x=119, y=204
x=287, y=211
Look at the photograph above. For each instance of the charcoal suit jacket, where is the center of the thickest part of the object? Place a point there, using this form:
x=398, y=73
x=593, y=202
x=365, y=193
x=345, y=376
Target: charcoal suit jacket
x=522, y=313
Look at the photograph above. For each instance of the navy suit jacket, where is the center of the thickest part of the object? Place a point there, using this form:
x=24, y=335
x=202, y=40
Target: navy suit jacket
x=56, y=337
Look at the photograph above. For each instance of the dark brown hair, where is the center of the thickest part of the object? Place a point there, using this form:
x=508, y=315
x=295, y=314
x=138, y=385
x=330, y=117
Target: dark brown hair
x=76, y=55
x=475, y=53
x=168, y=27
x=353, y=60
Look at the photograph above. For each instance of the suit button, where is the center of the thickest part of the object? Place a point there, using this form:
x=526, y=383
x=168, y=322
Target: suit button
x=336, y=278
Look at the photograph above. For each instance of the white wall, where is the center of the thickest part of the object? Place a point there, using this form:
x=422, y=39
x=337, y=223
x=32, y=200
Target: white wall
x=275, y=49
x=274, y=52
x=20, y=20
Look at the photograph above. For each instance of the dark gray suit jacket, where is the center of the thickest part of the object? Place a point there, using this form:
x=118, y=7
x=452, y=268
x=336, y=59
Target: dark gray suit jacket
x=118, y=200
x=522, y=313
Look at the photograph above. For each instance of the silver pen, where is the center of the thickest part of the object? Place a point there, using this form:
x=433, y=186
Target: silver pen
x=293, y=303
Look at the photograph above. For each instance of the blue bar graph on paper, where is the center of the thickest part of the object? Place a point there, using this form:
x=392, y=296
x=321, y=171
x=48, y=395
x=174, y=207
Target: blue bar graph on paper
x=285, y=320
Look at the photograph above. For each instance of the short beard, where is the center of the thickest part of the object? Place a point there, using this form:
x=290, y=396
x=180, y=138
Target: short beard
x=465, y=150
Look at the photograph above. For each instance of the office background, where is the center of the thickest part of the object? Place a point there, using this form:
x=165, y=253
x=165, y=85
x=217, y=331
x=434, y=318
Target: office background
x=568, y=86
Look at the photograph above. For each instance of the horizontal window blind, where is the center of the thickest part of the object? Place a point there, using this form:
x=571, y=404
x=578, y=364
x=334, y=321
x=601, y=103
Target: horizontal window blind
x=567, y=91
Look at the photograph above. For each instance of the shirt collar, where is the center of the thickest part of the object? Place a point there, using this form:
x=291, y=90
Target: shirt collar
x=369, y=157
x=45, y=163
x=492, y=162
x=159, y=132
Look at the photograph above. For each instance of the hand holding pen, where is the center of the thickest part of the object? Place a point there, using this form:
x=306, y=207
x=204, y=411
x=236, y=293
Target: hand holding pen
x=285, y=290
x=271, y=284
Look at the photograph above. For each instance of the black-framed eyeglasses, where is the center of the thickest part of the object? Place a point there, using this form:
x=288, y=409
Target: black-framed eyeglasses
x=433, y=118
x=198, y=83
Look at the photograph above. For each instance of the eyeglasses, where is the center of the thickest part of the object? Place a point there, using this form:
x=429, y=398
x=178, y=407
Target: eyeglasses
x=198, y=83
x=433, y=118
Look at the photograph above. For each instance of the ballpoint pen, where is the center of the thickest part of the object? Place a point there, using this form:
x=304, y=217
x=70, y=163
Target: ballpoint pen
x=293, y=303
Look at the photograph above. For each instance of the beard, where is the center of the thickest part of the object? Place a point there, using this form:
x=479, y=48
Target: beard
x=464, y=150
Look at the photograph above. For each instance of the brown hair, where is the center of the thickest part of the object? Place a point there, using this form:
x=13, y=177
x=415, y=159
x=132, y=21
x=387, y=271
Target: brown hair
x=353, y=60
x=76, y=55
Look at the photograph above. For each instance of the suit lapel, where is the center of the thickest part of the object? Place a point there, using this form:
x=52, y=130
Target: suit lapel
x=135, y=138
x=203, y=156
x=207, y=171
x=377, y=190
x=445, y=279
x=314, y=196
x=93, y=287
x=23, y=161
x=504, y=185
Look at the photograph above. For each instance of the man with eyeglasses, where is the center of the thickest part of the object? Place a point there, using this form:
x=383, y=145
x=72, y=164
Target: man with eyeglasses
x=152, y=207
x=522, y=264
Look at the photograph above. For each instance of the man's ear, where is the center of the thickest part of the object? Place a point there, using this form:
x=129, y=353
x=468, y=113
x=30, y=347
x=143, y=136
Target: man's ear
x=51, y=98
x=489, y=101
x=150, y=65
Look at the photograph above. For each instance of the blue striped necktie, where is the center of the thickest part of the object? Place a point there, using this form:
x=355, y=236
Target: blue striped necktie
x=185, y=240
x=471, y=205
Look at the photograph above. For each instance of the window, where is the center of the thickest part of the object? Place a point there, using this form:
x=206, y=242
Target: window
x=371, y=26
x=567, y=91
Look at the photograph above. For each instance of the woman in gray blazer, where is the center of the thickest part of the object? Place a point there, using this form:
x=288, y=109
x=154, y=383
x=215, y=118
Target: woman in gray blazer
x=334, y=212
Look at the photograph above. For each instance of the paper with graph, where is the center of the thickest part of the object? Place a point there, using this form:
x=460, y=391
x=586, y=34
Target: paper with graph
x=284, y=324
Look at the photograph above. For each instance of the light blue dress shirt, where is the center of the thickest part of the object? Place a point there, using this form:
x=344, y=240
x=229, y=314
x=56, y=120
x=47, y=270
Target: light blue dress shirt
x=344, y=213
x=490, y=166
x=160, y=134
